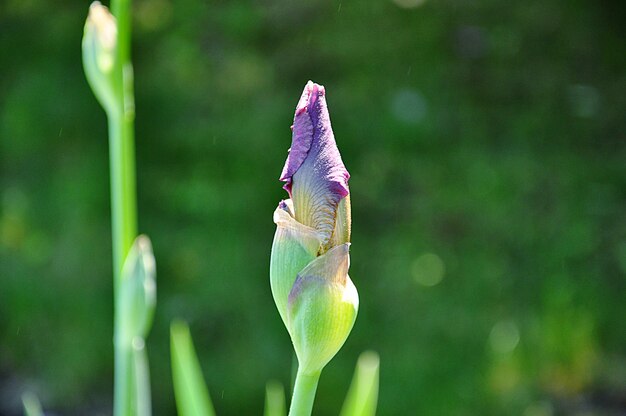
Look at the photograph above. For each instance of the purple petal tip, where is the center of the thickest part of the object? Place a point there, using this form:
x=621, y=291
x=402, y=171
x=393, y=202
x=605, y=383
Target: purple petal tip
x=312, y=133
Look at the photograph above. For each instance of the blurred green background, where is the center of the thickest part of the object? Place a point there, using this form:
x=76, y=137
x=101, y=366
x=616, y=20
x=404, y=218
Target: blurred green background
x=487, y=146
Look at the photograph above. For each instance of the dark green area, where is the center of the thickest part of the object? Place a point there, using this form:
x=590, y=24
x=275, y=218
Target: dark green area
x=487, y=146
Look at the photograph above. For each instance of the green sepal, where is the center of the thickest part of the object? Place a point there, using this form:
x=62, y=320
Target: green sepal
x=99, y=54
x=137, y=295
x=322, y=308
x=295, y=245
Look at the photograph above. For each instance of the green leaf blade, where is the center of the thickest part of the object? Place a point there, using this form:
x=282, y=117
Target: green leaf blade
x=275, y=399
x=32, y=407
x=192, y=395
x=362, y=398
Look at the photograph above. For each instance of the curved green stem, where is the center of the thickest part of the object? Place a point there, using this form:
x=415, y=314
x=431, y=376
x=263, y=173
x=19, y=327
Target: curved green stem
x=304, y=394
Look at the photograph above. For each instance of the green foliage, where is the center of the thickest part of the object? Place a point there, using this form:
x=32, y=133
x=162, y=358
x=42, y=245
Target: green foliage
x=192, y=396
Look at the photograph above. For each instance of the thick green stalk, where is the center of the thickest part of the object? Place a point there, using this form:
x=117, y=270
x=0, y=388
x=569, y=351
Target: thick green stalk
x=123, y=200
x=123, y=379
x=121, y=11
x=121, y=131
x=124, y=230
x=304, y=394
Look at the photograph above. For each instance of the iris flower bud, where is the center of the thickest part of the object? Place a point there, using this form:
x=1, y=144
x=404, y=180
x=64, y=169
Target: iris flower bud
x=99, y=49
x=314, y=295
x=138, y=291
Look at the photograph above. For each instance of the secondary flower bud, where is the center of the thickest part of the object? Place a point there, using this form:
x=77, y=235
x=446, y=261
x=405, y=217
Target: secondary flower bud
x=310, y=255
x=99, y=50
x=138, y=290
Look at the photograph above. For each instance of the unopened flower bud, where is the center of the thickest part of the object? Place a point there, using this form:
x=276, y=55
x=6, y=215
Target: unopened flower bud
x=99, y=53
x=137, y=295
x=310, y=255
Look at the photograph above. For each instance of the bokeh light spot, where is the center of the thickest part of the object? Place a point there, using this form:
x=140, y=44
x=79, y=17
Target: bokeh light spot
x=428, y=269
x=409, y=4
x=620, y=253
x=584, y=100
x=471, y=42
x=409, y=106
x=543, y=408
x=504, y=337
x=153, y=14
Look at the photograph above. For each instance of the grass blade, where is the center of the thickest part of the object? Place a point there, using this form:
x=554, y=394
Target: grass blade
x=362, y=397
x=32, y=407
x=275, y=399
x=192, y=395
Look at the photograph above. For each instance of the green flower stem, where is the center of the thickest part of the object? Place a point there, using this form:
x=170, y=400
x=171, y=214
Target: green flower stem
x=121, y=11
x=123, y=201
x=122, y=145
x=304, y=394
x=124, y=229
x=123, y=390
x=141, y=377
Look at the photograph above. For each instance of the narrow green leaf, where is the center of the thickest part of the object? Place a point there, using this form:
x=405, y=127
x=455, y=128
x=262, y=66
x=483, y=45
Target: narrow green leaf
x=275, y=399
x=362, y=397
x=32, y=407
x=192, y=395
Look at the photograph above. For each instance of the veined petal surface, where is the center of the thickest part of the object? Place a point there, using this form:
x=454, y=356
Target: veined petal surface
x=314, y=173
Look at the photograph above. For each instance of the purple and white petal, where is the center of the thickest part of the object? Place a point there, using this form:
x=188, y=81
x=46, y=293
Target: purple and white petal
x=314, y=173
